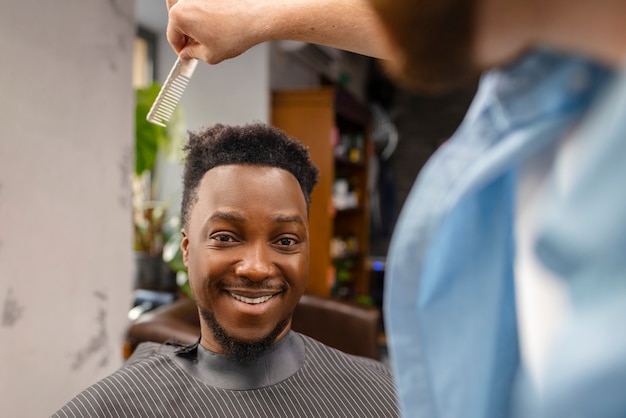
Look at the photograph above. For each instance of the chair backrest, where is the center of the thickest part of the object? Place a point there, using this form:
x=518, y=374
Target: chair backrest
x=349, y=327
x=177, y=322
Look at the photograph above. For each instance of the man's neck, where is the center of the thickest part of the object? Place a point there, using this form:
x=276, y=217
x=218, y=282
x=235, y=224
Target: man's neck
x=596, y=29
x=589, y=27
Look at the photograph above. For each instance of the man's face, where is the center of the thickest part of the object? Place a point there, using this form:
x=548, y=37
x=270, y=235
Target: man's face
x=431, y=42
x=246, y=248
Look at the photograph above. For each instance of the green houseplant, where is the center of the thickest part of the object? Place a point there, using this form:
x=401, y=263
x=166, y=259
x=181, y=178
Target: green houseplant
x=151, y=215
x=173, y=254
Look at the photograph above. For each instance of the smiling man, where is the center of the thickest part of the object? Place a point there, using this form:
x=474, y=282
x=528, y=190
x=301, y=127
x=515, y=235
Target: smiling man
x=246, y=245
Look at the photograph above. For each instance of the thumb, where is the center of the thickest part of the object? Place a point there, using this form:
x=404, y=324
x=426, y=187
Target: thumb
x=190, y=51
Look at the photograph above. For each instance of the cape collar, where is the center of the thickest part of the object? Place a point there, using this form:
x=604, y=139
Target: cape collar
x=280, y=362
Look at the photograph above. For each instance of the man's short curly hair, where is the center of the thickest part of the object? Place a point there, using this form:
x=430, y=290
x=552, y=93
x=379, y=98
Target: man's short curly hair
x=255, y=144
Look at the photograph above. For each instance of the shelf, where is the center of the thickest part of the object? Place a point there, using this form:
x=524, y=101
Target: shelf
x=349, y=211
x=347, y=164
x=348, y=108
x=352, y=255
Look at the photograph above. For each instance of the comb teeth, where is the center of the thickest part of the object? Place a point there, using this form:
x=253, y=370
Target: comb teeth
x=171, y=92
x=163, y=107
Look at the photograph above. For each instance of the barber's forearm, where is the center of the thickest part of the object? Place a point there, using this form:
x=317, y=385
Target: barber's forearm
x=345, y=24
x=214, y=30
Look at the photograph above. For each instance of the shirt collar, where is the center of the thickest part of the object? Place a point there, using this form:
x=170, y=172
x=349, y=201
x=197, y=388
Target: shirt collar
x=540, y=85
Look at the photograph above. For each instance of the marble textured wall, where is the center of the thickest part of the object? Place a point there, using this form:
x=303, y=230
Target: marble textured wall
x=66, y=135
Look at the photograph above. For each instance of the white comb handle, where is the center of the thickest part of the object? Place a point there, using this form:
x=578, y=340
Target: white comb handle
x=185, y=68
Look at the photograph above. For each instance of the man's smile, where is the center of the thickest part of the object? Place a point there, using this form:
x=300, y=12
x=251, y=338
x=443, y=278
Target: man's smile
x=254, y=300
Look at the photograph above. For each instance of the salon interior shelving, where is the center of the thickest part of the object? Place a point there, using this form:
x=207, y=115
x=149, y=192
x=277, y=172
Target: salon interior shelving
x=336, y=128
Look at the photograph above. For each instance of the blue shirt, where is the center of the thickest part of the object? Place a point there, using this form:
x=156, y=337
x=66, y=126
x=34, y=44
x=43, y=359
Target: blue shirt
x=449, y=293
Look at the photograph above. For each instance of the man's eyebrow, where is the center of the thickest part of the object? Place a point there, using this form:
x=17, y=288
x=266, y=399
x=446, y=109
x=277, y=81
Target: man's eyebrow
x=238, y=217
x=287, y=219
x=227, y=216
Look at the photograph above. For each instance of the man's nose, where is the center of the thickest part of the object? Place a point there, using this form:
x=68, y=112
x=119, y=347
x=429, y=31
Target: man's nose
x=256, y=263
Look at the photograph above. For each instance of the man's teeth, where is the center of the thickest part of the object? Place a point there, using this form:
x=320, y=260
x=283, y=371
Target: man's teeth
x=252, y=301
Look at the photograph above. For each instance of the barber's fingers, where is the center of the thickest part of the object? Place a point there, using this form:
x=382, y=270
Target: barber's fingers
x=190, y=51
x=198, y=51
x=177, y=26
x=210, y=55
x=176, y=38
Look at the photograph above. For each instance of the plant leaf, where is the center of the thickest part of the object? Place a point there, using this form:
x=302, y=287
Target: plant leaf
x=148, y=136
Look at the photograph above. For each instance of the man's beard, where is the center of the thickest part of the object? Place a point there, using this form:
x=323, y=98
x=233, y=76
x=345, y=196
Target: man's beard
x=433, y=41
x=242, y=351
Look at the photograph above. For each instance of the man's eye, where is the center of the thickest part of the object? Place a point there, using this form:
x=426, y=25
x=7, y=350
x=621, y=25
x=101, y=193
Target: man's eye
x=287, y=241
x=222, y=237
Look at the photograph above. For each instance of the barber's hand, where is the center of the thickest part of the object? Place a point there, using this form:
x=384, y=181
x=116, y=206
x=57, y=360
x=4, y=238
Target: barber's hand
x=212, y=30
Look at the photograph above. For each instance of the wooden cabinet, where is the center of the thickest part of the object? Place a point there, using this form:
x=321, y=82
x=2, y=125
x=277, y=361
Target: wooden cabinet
x=336, y=129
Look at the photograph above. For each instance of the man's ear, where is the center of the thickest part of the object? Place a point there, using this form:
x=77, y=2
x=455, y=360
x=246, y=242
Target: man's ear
x=184, y=246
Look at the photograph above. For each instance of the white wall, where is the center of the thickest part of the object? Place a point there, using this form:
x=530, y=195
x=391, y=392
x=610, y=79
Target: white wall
x=66, y=138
